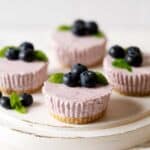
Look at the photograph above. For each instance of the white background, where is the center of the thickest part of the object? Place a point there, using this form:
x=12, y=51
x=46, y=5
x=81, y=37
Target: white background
x=109, y=13
x=125, y=22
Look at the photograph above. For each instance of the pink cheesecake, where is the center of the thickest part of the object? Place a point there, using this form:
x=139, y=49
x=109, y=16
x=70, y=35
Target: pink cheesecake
x=21, y=76
x=70, y=49
x=135, y=83
x=75, y=104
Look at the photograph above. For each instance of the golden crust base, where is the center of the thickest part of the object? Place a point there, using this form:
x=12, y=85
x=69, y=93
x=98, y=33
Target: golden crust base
x=30, y=91
x=132, y=94
x=84, y=120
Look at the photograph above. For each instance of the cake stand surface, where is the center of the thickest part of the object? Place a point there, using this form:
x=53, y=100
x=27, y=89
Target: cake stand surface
x=125, y=125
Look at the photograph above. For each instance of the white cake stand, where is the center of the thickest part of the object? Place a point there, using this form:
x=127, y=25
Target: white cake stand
x=125, y=125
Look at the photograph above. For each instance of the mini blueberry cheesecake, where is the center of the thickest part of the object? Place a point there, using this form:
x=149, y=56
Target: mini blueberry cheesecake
x=83, y=42
x=78, y=97
x=22, y=69
x=128, y=70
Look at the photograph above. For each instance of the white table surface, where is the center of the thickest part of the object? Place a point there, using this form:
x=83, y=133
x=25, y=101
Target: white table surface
x=40, y=36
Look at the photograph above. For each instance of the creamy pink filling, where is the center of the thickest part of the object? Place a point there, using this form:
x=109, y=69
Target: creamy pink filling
x=19, y=75
x=76, y=102
x=70, y=49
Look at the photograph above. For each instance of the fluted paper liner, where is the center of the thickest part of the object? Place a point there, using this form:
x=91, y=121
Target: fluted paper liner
x=67, y=56
x=76, y=112
x=20, y=83
x=129, y=84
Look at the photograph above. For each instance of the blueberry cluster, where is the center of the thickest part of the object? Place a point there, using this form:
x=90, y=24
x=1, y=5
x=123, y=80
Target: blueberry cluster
x=132, y=55
x=25, y=99
x=80, y=76
x=82, y=28
x=24, y=52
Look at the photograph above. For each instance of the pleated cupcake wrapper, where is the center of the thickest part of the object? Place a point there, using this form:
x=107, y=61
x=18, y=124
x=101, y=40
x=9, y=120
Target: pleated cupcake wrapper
x=130, y=84
x=68, y=56
x=23, y=82
x=73, y=109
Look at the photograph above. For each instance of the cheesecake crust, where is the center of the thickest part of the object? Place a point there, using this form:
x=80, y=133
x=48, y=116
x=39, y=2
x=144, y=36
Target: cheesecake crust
x=83, y=120
x=30, y=91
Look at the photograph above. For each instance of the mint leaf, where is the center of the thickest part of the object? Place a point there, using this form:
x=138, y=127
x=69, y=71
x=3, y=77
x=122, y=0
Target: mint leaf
x=14, y=98
x=16, y=103
x=64, y=28
x=21, y=109
x=121, y=63
x=99, y=34
x=56, y=78
x=4, y=50
x=101, y=79
x=41, y=56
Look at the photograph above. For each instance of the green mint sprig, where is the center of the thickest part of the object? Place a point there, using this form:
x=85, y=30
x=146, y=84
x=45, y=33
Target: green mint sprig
x=121, y=63
x=39, y=55
x=4, y=50
x=56, y=78
x=101, y=79
x=64, y=28
x=16, y=103
x=99, y=34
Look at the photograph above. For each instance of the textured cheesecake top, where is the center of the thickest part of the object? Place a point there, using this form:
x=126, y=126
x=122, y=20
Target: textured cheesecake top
x=19, y=66
x=75, y=93
x=68, y=39
x=144, y=69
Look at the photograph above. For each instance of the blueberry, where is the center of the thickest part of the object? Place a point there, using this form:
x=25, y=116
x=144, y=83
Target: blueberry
x=92, y=27
x=117, y=51
x=79, y=28
x=77, y=69
x=132, y=50
x=12, y=53
x=26, y=99
x=5, y=102
x=26, y=46
x=70, y=79
x=27, y=55
x=134, y=56
x=88, y=79
x=79, y=22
